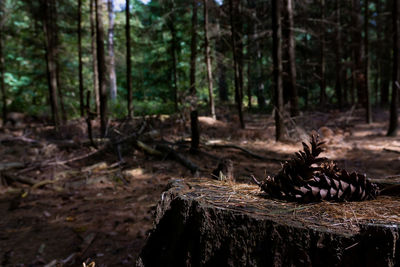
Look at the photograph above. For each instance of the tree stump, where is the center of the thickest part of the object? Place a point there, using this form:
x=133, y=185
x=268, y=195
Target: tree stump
x=205, y=222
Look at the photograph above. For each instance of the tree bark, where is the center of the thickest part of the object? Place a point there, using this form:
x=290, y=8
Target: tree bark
x=93, y=34
x=128, y=58
x=236, y=64
x=2, y=69
x=51, y=51
x=393, y=121
x=294, y=99
x=81, y=90
x=208, y=61
x=277, y=62
x=339, y=70
x=111, y=55
x=193, y=49
x=387, y=61
x=322, y=56
x=101, y=66
x=366, y=64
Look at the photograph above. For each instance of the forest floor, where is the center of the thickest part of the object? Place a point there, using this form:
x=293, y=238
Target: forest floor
x=59, y=207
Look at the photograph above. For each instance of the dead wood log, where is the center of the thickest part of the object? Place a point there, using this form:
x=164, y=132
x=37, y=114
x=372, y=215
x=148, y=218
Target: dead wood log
x=4, y=166
x=391, y=150
x=11, y=178
x=254, y=155
x=170, y=152
x=212, y=223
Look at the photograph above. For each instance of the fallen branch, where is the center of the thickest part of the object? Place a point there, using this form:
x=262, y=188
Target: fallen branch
x=391, y=150
x=168, y=151
x=254, y=155
x=11, y=178
x=10, y=165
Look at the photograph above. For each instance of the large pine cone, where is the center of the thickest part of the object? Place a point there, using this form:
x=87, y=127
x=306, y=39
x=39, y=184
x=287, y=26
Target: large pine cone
x=309, y=178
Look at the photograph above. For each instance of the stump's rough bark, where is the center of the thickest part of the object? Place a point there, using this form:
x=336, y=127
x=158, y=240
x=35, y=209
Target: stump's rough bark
x=211, y=223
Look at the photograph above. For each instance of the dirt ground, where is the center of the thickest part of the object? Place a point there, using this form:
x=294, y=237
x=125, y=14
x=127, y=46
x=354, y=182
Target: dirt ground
x=55, y=211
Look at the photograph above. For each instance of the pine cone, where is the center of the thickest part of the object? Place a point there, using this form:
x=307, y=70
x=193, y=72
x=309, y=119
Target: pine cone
x=309, y=178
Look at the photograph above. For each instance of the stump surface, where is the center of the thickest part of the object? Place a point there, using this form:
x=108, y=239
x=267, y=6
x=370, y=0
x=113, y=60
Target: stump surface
x=205, y=222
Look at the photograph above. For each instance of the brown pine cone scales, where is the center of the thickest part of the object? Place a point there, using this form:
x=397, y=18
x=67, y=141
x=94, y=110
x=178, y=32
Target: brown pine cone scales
x=309, y=178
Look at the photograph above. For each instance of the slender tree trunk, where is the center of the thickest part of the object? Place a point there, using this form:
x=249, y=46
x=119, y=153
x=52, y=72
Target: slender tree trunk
x=366, y=65
x=128, y=58
x=208, y=61
x=111, y=55
x=51, y=50
x=294, y=99
x=94, y=56
x=339, y=70
x=81, y=90
x=193, y=49
x=236, y=65
x=358, y=52
x=322, y=56
x=173, y=51
x=378, y=60
x=2, y=83
x=101, y=66
x=277, y=62
x=393, y=122
x=385, y=74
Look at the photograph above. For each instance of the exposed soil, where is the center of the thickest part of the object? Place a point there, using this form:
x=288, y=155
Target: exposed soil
x=96, y=210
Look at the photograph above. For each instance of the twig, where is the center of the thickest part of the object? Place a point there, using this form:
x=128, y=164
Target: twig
x=255, y=180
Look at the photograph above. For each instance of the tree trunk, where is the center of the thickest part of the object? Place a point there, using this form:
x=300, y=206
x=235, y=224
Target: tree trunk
x=201, y=222
x=54, y=12
x=194, y=126
x=378, y=65
x=358, y=53
x=277, y=62
x=81, y=90
x=101, y=66
x=173, y=51
x=366, y=64
x=322, y=56
x=128, y=58
x=51, y=51
x=111, y=56
x=339, y=70
x=208, y=61
x=393, y=122
x=193, y=50
x=236, y=63
x=2, y=83
x=385, y=74
x=94, y=56
x=294, y=99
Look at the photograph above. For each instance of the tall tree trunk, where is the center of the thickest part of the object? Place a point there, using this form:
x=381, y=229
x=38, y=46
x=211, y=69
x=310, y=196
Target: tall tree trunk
x=294, y=99
x=128, y=58
x=101, y=66
x=366, y=64
x=193, y=49
x=111, y=56
x=51, y=51
x=358, y=52
x=338, y=46
x=2, y=83
x=322, y=56
x=173, y=51
x=393, y=122
x=81, y=90
x=94, y=56
x=236, y=64
x=385, y=70
x=378, y=60
x=277, y=62
x=208, y=61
